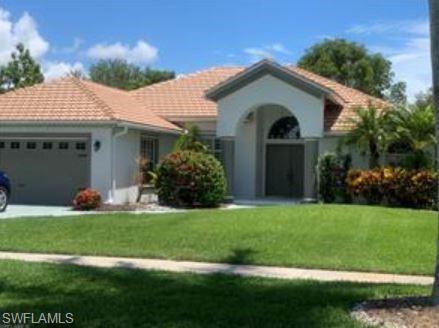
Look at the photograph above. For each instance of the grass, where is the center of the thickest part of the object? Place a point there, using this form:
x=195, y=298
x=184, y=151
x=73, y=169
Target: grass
x=342, y=237
x=132, y=298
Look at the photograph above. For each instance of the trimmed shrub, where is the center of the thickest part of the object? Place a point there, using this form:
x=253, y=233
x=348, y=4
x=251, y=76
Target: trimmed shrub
x=395, y=186
x=87, y=199
x=190, y=179
x=366, y=184
x=332, y=172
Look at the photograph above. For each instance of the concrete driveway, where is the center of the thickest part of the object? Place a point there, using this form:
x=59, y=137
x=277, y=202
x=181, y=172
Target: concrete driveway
x=18, y=211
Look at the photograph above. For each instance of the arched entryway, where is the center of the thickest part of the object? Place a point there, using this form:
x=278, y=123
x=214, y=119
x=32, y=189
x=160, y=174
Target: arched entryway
x=270, y=153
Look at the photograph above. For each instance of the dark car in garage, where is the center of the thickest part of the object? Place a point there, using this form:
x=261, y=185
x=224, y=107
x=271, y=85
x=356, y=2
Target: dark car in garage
x=5, y=191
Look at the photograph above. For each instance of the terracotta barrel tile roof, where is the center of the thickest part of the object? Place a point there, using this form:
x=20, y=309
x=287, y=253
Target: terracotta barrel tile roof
x=71, y=99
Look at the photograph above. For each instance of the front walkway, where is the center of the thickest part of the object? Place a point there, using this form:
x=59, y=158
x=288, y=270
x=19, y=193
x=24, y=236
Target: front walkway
x=210, y=268
x=21, y=211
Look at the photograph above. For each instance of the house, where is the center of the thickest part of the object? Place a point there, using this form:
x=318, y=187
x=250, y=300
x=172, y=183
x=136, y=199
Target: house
x=267, y=123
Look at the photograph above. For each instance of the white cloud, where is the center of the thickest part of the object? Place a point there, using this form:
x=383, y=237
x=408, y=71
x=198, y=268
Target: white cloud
x=74, y=47
x=141, y=53
x=269, y=51
x=54, y=69
x=25, y=30
x=280, y=48
x=406, y=26
x=258, y=53
x=410, y=57
x=412, y=64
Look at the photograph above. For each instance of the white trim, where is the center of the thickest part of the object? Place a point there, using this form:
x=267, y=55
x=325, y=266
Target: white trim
x=115, y=135
x=190, y=118
x=148, y=128
x=9, y=137
x=90, y=123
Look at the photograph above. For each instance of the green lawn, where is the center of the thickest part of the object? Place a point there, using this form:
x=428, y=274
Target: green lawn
x=132, y=298
x=312, y=236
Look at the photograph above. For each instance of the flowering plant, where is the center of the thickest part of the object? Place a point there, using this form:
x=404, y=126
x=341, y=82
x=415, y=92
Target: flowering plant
x=87, y=199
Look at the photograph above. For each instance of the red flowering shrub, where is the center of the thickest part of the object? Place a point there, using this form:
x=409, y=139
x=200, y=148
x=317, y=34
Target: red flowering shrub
x=87, y=199
x=366, y=184
x=395, y=186
x=190, y=179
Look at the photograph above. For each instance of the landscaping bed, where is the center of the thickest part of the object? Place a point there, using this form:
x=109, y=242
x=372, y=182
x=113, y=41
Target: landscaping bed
x=403, y=312
x=153, y=207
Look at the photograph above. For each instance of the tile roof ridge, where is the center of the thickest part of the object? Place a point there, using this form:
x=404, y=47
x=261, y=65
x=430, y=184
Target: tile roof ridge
x=103, y=86
x=31, y=87
x=94, y=97
x=185, y=76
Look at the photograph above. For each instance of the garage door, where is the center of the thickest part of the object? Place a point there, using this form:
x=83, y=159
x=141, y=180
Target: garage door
x=45, y=170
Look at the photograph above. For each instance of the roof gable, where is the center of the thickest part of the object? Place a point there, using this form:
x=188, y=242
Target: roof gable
x=263, y=68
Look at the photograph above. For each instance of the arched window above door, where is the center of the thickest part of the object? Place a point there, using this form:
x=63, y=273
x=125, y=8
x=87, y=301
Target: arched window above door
x=285, y=128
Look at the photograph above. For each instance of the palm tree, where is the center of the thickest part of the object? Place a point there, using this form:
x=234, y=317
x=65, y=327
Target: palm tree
x=434, y=32
x=415, y=129
x=368, y=133
x=190, y=140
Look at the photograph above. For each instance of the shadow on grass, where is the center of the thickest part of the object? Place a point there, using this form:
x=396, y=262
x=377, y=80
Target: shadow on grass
x=134, y=298
x=240, y=256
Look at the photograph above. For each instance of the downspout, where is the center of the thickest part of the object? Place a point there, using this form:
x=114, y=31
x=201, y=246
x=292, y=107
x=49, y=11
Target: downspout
x=114, y=137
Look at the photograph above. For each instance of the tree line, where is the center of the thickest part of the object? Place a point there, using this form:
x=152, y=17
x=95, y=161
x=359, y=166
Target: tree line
x=346, y=62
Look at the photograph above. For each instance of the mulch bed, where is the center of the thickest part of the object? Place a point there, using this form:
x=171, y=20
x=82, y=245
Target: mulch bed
x=132, y=207
x=407, y=312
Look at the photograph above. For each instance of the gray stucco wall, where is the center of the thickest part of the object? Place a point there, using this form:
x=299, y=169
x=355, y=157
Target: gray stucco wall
x=330, y=143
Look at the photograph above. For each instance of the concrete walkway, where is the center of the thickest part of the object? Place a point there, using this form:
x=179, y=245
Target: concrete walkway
x=210, y=268
x=26, y=211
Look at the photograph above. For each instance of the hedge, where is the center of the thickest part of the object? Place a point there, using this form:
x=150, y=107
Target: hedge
x=395, y=186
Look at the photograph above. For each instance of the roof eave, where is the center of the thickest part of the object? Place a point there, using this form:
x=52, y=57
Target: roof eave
x=148, y=127
x=109, y=123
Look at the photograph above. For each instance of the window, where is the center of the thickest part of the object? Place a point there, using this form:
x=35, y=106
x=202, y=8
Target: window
x=47, y=145
x=80, y=146
x=31, y=145
x=148, y=151
x=2, y=145
x=214, y=147
x=15, y=145
x=397, y=153
x=63, y=145
x=285, y=128
x=217, y=150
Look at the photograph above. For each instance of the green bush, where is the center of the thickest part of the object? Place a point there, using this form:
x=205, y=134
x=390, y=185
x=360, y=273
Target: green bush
x=190, y=179
x=332, y=171
x=395, y=186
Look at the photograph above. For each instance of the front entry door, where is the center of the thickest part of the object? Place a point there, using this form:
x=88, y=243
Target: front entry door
x=284, y=170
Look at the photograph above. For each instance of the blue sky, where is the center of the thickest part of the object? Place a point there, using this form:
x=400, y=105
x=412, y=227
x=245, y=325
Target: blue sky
x=194, y=34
